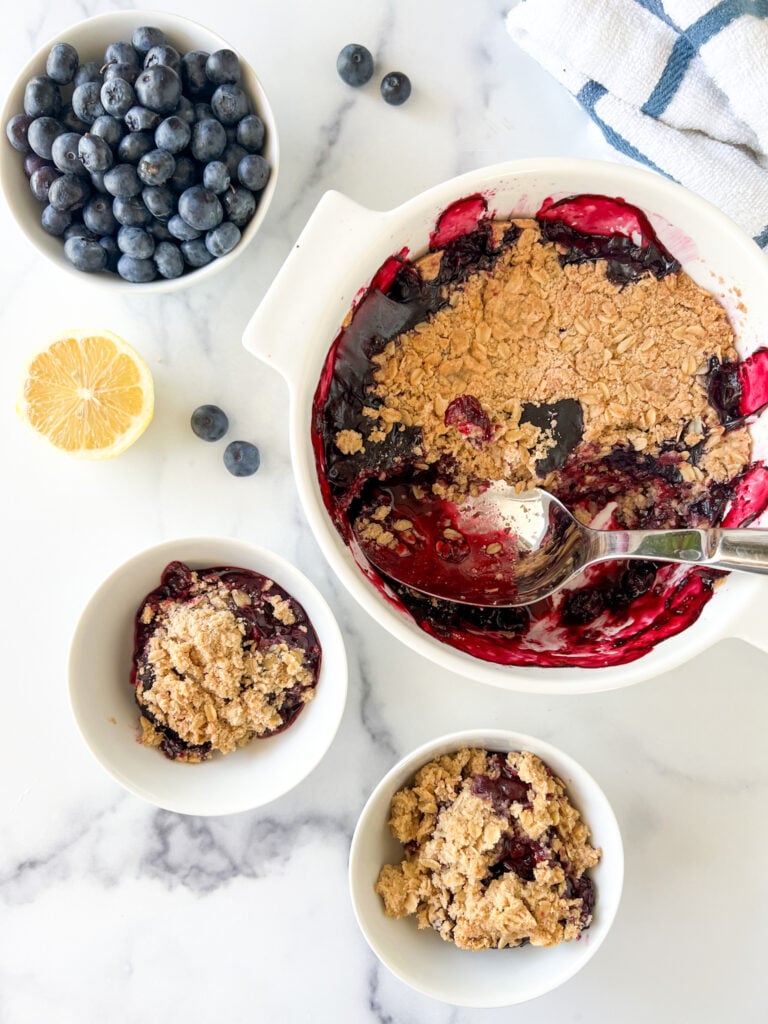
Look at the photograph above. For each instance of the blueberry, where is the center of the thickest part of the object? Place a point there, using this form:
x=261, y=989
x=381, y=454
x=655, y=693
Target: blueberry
x=64, y=152
x=121, y=53
x=69, y=192
x=147, y=36
x=134, y=145
x=179, y=228
x=172, y=134
x=242, y=458
x=135, y=242
x=127, y=72
x=193, y=74
x=17, y=129
x=223, y=239
x=253, y=172
x=355, y=64
x=137, y=271
x=117, y=97
x=232, y=156
x=108, y=128
x=97, y=180
x=168, y=260
x=239, y=205
x=32, y=162
x=186, y=110
x=54, y=221
x=78, y=230
x=98, y=216
x=94, y=153
x=185, y=175
x=86, y=102
x=165, y=56
x=203, y=111
x=85, y=254
x=109, y=245
x=216, y=176
x=250, y=133
x=159, y=88
x=142, y=119
x=229, y=104
x=223, y=66
x=71, y=121
x=41, y=135
x=156, y=167
x=209, y=422
x=131, y=210
x=159, y=200
x=122, y=180
x=195, y=253
x=62, y=63
x=200, y=208
x=41, y=180
x=159, y=230
x=42, y=97
x=209, y=140
x=88, y=72
x=395, y=88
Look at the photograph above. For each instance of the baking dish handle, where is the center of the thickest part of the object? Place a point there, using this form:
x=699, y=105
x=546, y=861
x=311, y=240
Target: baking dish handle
x=281, y=329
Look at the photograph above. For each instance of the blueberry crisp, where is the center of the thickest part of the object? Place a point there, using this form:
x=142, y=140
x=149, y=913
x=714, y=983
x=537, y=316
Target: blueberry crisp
x=222, y=656
x=495, y=853
x=569, y=351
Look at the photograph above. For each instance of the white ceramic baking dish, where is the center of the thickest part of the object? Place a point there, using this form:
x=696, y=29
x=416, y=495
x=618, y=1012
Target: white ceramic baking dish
x=340, y=249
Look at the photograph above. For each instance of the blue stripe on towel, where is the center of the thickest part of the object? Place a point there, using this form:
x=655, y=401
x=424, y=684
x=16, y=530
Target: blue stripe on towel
x=588, y=96
x=657, y=7
x=687, y=45
x=762, y=238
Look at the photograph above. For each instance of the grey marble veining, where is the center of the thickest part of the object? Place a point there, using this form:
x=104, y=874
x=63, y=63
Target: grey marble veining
x=114, y=910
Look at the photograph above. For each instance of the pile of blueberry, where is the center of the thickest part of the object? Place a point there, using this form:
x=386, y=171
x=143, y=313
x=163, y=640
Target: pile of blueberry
x=147, y=163
x=210, y=423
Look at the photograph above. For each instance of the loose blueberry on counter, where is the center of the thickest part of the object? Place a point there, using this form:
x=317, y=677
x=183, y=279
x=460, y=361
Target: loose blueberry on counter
x=355, y=65
x=62, y=63
x=209, y=422
x=395, y=88
x=242, y=458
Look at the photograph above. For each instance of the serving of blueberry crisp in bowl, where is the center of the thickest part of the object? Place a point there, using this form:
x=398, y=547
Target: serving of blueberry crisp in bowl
x=539, y=331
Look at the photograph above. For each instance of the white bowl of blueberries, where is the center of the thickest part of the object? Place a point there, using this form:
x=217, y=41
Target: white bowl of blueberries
x=140, y=149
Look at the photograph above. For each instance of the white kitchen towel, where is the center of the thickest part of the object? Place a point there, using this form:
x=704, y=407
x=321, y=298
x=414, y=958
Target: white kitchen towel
x=679, y=85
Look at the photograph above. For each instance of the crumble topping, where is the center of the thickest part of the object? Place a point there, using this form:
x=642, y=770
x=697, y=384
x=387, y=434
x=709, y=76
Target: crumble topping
x=533, y=331
x=495, y=853
x=204, y=676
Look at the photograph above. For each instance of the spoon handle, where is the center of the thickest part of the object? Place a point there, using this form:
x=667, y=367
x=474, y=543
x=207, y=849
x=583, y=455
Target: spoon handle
x=745, y=550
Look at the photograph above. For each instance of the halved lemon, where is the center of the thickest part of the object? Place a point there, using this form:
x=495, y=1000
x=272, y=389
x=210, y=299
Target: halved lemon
x=89, y=393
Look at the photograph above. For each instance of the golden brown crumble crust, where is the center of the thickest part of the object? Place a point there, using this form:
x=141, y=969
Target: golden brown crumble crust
x=454, y=837
x=208, y=686
x=533, y=331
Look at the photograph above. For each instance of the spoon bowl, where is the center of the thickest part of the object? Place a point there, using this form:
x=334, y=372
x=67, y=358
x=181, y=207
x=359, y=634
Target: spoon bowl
x=505, y=549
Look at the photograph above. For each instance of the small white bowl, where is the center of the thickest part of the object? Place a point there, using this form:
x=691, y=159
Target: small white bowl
x=102, y=697
x=90, y=38
x=492, y=977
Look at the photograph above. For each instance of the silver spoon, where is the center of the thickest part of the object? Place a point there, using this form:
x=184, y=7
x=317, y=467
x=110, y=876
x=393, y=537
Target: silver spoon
x=537, y=547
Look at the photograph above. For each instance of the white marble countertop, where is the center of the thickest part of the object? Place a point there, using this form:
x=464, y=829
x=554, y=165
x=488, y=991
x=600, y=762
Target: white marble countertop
x=114, y=910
